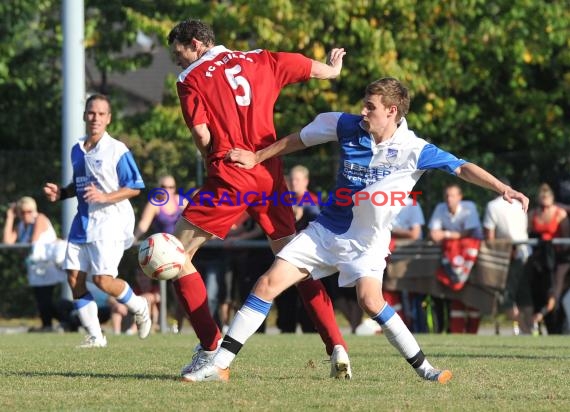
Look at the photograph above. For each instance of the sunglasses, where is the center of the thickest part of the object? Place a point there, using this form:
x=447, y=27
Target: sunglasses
x=168, y=187
x=26, y=212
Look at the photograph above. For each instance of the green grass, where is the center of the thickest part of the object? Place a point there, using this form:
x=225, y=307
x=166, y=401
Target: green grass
x=283, y=372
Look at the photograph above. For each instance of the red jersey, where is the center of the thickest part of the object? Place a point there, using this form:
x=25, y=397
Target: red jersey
x=234, y=94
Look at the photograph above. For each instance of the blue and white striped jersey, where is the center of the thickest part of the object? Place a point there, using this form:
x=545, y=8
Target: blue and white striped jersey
x=110, y=166
x=392, y=167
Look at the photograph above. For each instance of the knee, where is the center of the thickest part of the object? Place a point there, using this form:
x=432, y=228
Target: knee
x=99, y=282
x=103, y=282
x=264, y=288
x=371, y=303
x=72, y=278
x=190, y=252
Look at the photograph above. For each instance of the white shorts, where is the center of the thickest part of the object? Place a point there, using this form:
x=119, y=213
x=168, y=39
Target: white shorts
x=101, y=257
x=323, y=253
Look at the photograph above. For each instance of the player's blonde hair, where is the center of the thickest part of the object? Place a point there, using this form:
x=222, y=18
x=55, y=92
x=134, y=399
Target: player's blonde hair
x=393, y=93
x=27, y=202
x=300, y=169
x=162, y=178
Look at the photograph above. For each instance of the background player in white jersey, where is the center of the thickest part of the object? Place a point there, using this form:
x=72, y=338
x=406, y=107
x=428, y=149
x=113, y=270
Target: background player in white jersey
x=378, y=155
x=408, y=223
x=452, y=220
x=105, y=176
x=504, y=220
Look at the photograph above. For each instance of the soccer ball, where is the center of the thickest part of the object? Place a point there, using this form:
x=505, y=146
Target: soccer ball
x=161, y=256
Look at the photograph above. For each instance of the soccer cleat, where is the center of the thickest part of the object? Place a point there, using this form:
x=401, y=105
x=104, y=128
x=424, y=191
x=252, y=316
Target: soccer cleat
x=340, y=363
x=208, y=372
x=144, y=323
x=91, y=341
x=199, y=359
x=436, y=375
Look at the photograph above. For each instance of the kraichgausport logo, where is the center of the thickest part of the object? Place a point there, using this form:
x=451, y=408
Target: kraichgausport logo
x=341, y=197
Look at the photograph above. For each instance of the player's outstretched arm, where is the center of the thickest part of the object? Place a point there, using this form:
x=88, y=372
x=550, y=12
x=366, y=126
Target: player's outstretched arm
x=472, y=173
x=332, y=68
x=54, y=193
x=51, y=191
x=247, y=160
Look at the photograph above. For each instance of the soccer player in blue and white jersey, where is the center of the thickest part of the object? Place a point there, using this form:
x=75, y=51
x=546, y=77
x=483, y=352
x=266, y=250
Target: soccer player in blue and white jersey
x=105, y=177
x=379, y=156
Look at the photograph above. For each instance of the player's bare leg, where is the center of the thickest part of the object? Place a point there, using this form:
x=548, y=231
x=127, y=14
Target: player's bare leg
x=192, y=237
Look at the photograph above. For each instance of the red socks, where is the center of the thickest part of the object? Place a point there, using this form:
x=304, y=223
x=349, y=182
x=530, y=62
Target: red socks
x=321, y=311
x=191, y=293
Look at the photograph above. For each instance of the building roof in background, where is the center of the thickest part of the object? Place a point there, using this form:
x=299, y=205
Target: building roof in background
x=144, y=86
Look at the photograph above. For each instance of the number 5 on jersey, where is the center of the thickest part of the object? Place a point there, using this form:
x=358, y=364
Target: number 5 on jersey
x=236, y=81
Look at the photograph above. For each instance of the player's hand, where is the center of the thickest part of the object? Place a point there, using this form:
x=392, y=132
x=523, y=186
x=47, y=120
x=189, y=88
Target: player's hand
x=94, y=195
x=243, y=159
x=334, y=59
x=52, y=192
x=511, y=194
x=11, y=211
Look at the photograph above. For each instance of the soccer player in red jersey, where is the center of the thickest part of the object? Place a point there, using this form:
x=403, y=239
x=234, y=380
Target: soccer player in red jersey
x=227, y=99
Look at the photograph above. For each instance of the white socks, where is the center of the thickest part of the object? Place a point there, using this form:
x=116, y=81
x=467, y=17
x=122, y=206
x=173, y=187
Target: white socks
x=246, y=322
x=87, y=311
x=134, y=303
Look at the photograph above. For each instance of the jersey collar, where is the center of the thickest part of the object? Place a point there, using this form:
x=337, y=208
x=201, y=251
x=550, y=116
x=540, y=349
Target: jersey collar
x=397, y=138
x=210, y=55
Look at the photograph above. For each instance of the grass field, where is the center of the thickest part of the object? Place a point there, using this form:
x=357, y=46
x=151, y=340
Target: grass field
x=283, y=372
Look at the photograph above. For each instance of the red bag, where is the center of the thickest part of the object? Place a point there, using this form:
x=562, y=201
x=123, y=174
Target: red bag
x=457, y=259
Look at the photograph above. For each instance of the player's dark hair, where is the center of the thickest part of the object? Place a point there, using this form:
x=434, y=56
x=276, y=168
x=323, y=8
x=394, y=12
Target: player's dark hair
x=190, y=29
x=393, y=93
x=545, y=189
x=97, y=96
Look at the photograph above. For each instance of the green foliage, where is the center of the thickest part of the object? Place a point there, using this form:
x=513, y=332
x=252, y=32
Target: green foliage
x=30, y=45
x=16, y=297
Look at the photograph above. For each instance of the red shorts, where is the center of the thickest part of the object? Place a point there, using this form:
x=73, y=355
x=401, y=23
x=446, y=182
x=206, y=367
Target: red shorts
x=229, y=191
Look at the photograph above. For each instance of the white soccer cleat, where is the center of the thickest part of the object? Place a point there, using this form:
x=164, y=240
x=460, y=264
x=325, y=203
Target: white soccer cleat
x=208, y=372
x=340, y=363
x=199, y=359
x=436, y=375
x=91, y=341
x=143, y=321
